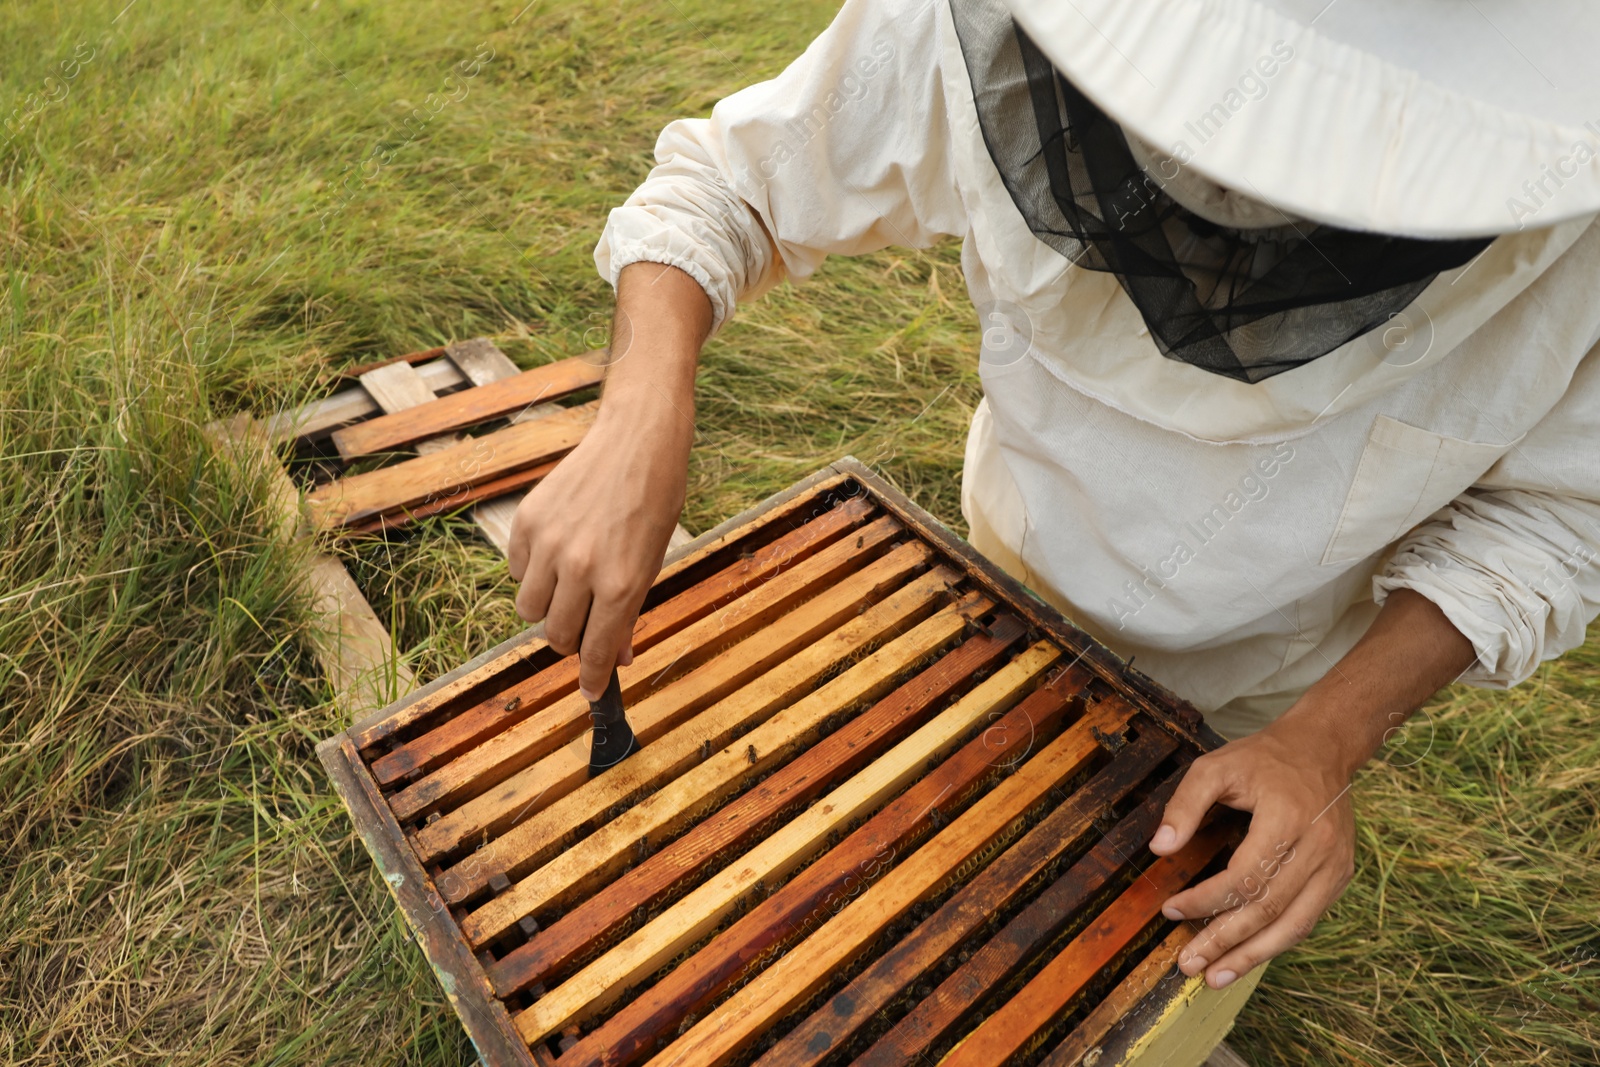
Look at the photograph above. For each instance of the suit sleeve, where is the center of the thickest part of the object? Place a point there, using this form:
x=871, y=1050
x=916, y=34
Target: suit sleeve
x=846, y=152
x=1514, y=562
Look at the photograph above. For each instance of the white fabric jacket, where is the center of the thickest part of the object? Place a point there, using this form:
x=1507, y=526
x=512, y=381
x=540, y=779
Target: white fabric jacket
x=1236, y=538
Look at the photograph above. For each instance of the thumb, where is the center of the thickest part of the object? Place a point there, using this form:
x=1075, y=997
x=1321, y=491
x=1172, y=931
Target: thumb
x=1200, y=788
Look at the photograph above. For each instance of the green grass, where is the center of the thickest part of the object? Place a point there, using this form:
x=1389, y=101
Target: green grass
x=177, y=884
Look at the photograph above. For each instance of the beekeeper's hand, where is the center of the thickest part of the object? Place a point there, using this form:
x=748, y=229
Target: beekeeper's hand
x=588, y=540
x=1294, y=777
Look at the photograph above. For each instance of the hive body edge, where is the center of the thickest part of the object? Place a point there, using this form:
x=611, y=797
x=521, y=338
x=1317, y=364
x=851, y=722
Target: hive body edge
x=1162, y=1030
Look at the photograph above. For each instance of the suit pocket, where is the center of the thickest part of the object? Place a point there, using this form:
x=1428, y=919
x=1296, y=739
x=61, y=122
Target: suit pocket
x=1405, y=475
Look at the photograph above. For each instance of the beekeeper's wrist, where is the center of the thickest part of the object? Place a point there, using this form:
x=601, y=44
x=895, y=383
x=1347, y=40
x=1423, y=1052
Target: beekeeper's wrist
x=662, y=318
x=1410, y=652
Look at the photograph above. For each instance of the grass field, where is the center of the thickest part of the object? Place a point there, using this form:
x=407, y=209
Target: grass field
x=194, y=225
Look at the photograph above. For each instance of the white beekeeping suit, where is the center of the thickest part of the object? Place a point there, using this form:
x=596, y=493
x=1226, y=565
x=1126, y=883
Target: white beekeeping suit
x=1222, y=483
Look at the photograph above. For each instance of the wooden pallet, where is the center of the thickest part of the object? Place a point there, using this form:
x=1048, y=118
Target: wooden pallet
x=890, y=807
x=393, y=447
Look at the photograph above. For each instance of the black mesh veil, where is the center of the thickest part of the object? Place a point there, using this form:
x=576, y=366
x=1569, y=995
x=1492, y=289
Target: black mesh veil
x=1245, y=303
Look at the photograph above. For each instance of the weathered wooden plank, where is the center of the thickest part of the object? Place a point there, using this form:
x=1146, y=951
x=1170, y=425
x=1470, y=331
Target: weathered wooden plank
x=348, y=639
x=841, y=752
x=469, y=463
x=1224, y=1056
x=494, y=513
x=783, y=510
x=481, y=360
x=1159, y=965
x=494, y=517
x=515, y=703
x=357, y=654
x=484, y=1017
x=566, y=717
x=937, y=1015
x=556, y=775
x=498, y=399
x=1014, y=1026
x=685, y=789
x=321, y=417
x=836, y=1022
x=679, y=538
x=496, y=506
x=439, y=505
x=789, y=981
x=867, y=853
x=424, y=356
x=397, y=387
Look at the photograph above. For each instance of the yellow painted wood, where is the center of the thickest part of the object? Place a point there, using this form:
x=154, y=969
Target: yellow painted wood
x=1191, y=1026
x=601, y=982
x=603, y=852
x=770, y=995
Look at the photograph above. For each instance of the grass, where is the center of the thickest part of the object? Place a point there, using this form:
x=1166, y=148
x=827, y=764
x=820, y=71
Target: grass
x=177, y=884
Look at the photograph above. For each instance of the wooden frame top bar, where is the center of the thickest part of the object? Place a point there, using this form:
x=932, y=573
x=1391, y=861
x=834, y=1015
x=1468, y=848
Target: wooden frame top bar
x=1153, y=721
x=457, y=411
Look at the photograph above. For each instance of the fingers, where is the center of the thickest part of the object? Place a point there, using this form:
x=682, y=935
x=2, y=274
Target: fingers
x=1267, y=852
x=534, y=573
x=538, y=586
x=520, y=549
x=1202, y=786
x=1262, y=880
x=1286, y=931
x=517, y=550
x=569, y=612
x=560, y=586
x=609, y=627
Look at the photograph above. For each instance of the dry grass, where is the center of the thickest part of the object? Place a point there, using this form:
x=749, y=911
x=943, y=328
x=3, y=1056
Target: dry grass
x=177, y=885
x=1471, y=933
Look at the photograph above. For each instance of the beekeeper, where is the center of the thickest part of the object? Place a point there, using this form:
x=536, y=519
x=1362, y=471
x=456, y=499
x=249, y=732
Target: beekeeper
x=1289, y=314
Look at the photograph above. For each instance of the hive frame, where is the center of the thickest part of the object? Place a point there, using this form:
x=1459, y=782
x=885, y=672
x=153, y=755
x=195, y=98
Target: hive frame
x=1148, y=1024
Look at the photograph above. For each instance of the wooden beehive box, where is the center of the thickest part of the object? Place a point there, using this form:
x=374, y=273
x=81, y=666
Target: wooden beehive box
x=889, y=808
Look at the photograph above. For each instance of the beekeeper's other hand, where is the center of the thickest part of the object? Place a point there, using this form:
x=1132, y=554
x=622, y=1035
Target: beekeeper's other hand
x=1294, y=777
